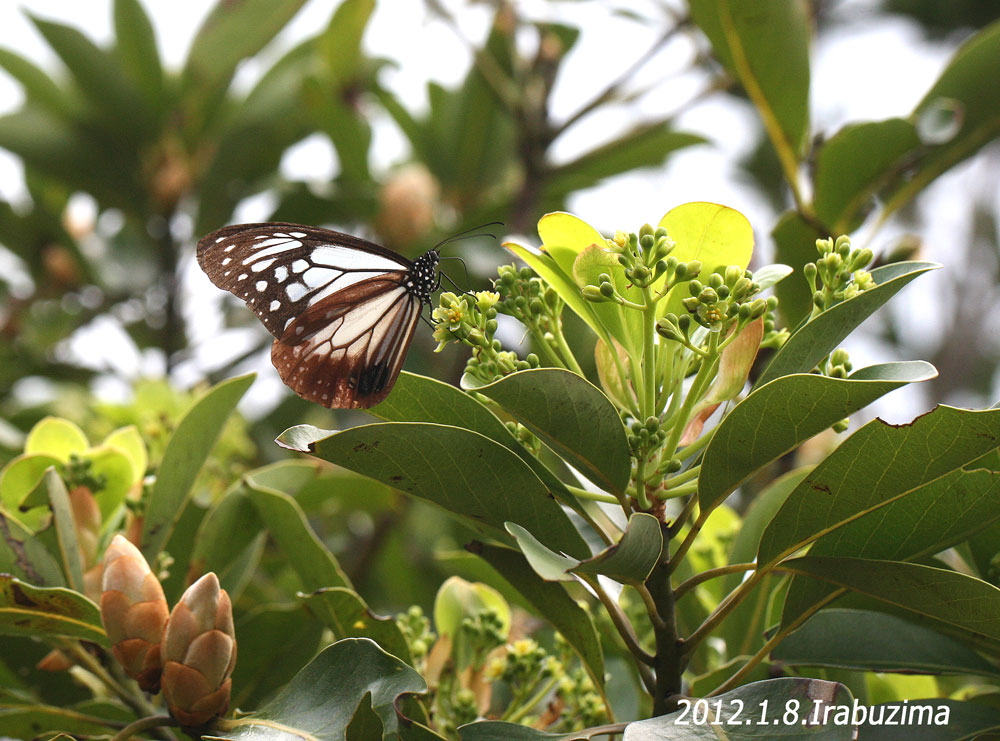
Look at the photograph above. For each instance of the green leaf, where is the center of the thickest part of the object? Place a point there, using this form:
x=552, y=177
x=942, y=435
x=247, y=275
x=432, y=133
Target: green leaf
x=347, y=615
x=340, y=43
x=286, y=522
x=813, y=341
x=551, y=601
x=854, y=165
x=132, y=446
x=751, y=704
x=117, y=473
x=965, y=86
x=56, y=437
x=26, y=721
x=137, y=52
x=226, y=533
x=65, y=525
x=186, y=452
x=21, y=477
x=633, y=557
x=38, y=86
x=965, y=720
x=716, y=235
x=275, y=641
x=99, y=79
x=743, y=629
x=765, y=45
x=647, y=145
x=925, y=520
x=52, y=611
x=795, y=244
x=232, y=32
x=498, y=730
x=963, y=602
x=571, y=416
x=877, y=642
x=780, y=415
x=321, y=700
x=24, y=555
x=845, y=486
x=548, y=564
x=448, y=467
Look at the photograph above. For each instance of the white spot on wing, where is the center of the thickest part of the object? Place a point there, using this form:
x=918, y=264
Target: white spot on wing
x=275, y=305
x=315, y=277
x=280, y=273
x=295, y=291
x=241, y=276
x=299, y=265
x=351, y=258
x=262, y=265
x=261, y=285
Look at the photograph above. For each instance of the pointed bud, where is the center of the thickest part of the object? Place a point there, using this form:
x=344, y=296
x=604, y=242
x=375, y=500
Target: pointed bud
x=134, y=612
x=199, y=652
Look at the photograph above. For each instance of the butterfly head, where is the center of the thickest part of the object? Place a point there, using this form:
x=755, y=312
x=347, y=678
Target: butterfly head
x=424, y=275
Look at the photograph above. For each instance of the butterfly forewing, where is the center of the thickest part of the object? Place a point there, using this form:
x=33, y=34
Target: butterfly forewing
x=280, y=270
x=343, y=310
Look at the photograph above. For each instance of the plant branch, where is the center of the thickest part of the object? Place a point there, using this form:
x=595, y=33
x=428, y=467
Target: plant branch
x=728, y=604
x=593, y=496
x=682, y=517
x=144, y=724
x=734, y=568
x=621, y=623
x=669, y=647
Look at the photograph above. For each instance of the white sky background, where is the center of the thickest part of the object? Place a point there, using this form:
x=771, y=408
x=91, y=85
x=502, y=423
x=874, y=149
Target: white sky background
x=874, y=67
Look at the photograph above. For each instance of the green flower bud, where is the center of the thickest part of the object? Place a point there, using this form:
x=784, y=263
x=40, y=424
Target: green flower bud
x=723, y=292
x=646, y=241
x=841, y=426
x=660, y=232
x=744, y=311
x=635, y=427
x=684, y=322
x=818, y=299
x=623, y=261
x=809, y=271
x=607, y=290
x=694, y=267
x=645, y=230
x=772, y=303
x=533, y=360
x=733, y=274
x=593, y=293
x=715, y=280
x=861, y=259
x=708, y=296
x=691, y=304
x=695, y=287
x=758, y=307
x=673, y=465
x=536, y=306
x=526, y=273
x=491, y=326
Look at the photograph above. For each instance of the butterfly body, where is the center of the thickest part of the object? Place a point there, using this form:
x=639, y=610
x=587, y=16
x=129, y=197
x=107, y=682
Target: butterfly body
x=342, y=310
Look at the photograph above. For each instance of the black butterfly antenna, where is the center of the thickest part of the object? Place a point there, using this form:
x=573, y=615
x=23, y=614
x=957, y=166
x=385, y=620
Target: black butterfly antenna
x=469, y=233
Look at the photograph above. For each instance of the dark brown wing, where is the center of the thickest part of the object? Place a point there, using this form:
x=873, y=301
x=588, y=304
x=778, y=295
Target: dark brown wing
x=346, y=350
x=282, y=270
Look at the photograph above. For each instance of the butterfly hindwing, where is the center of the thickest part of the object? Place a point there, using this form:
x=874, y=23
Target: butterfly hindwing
x=347, y=350
x=280, y=270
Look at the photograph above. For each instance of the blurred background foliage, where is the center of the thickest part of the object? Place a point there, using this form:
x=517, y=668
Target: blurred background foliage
x=163, y=155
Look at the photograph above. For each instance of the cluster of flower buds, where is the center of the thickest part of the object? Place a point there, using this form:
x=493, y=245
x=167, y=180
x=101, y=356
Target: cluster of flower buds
x=646, y=260
x=416, y=629
x=188, y=653
x=643, y=436
x=525, y=297
x=472, y=320
x=839, y=273
x=523, y=661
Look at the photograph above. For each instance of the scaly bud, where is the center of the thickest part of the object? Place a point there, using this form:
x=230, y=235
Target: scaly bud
x=199, y=652
x=134, y=612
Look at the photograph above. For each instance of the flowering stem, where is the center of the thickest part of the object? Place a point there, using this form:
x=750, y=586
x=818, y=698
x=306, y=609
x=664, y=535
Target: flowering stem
x=683, y=477
x=624, y=628
x=649, y=353
x=564, y=348
x=592, y=495
x=91, y=664
x=531, y=702
x=697, y=445
x=144, y=724
x=678, y=491
x=545, y=348
x=697, y=389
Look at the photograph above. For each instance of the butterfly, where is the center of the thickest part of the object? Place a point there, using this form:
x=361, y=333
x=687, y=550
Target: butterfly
x=342, y=309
